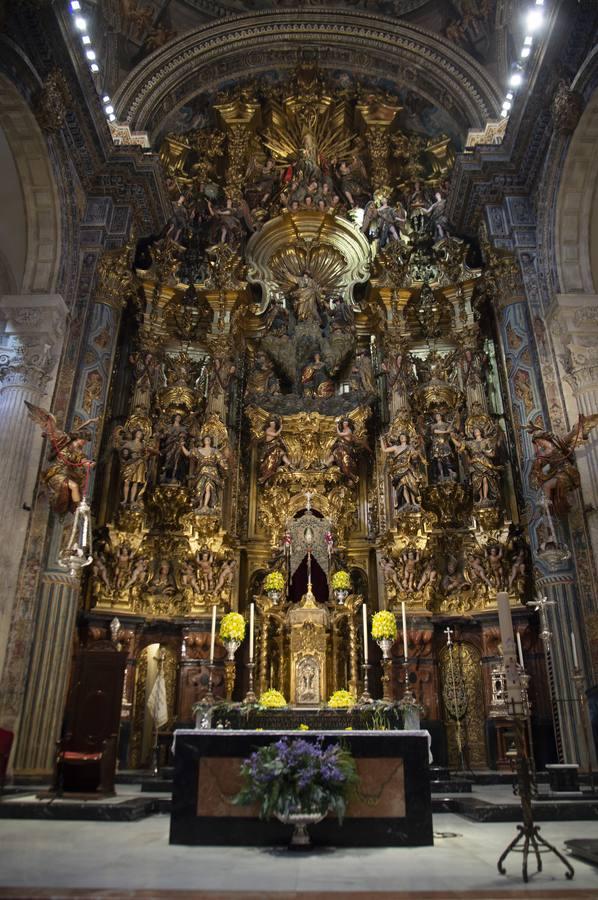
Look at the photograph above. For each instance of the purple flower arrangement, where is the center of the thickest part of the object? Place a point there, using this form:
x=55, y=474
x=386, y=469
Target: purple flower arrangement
x=298, y=775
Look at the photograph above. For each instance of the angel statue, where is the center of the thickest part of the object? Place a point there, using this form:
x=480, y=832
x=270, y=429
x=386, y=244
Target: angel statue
x=345, y=449
x=274, y=453
x=67, y=477
x=480, y=450
x=554, y=469
x=382, y=222
x=406, y=464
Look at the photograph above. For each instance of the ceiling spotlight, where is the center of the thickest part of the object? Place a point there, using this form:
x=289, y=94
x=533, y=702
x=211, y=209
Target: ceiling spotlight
x=94, y=67
x=105, y=99
x=528, y=41
x=109, y=110
x=112, y=117
x=525, y=52
x=75, y=5
x=506, y=105
x=510, y=95
x=534, y=19
x=90, y=54
x=80, y=23
x=86, y=39
x=539, y=2
x=516, y=79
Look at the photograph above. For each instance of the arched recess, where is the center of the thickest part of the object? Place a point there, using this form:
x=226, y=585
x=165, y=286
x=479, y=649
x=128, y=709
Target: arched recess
x=576, y=242
x=41, y=256
x=235, y=48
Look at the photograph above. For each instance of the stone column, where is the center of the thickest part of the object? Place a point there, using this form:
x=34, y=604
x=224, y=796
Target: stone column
x=31, y=336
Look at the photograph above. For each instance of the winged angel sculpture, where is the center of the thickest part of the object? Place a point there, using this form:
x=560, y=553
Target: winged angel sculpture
x=554, y=470
x=67, y=476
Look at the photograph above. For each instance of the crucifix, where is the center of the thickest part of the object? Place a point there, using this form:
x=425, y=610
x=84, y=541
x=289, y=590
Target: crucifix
x=448, y=631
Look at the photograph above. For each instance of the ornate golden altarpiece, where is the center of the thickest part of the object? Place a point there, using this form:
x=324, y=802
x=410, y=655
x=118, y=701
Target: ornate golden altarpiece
x=306, y=336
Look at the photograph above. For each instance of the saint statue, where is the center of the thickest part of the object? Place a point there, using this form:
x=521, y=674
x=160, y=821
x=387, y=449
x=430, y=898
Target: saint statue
x=173, y=467
x=441, y=452
x=316, y=380
x=480, y=452
x=344, y=452
x=211, y=467
x=406, y=464
x=307, y=297
x=133, y=454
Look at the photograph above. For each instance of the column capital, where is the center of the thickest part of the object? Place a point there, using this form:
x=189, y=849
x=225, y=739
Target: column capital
x=574, y=321
x=31, y=326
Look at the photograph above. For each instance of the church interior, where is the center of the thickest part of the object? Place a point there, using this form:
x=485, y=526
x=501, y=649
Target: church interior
x=299, y=445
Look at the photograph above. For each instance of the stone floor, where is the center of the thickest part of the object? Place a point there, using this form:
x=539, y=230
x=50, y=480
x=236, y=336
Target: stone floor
x=134, y=860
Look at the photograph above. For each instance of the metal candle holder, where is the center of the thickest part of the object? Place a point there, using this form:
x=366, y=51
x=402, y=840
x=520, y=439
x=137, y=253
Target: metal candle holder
x=366, y=697
x=209, y=696
x=250, y=695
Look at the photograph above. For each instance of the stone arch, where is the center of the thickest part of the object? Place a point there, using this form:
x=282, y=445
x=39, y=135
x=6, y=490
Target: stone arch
x=39, y=272
x=208, y=57
x=576, y=238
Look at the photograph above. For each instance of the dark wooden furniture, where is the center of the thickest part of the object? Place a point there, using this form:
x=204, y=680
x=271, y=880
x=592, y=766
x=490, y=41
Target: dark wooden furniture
x=86, y=754
x=6, y=738
x=392, y=809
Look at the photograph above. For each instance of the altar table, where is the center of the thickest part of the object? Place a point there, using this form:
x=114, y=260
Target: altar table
x=393, y=807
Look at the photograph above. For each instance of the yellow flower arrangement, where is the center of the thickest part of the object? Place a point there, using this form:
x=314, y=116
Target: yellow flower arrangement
x=341, y=699
x=274, y=581
x=232, y=627
x=341, y=581
x=303, y=727
x=384, y=625
x=272, y=700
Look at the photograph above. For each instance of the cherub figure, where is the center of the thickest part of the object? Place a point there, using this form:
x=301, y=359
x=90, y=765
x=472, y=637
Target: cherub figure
x=205, y=565
x=139, y=573
x=518, y=572
x=409, y=560
x=124, y=557
x=477, y=570
x=389, y=572
x=68, y=474
x=226, y=575
x=188, y=576
x=429, y=576
x=453, y=580
x=495, y=558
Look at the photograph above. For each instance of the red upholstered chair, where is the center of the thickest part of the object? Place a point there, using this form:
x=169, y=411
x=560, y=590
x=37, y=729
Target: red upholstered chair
x=6, y=738
x=86, y=754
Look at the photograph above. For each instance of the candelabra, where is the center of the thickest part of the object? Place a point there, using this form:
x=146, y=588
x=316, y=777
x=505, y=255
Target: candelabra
x=366, y=697
x=529, y=832
x=250, y=695
x=209, y=696
x=578, y=679
x=541, y=606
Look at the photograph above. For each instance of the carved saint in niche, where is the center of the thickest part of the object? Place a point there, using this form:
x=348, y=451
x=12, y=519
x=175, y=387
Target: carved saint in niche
x=173, y=467
x=442, y=457
x=480, y=452
x=316, y=380
x=308, y=680
x=307, y=297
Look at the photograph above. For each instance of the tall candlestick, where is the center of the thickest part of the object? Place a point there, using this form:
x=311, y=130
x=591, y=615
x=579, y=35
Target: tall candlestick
x=365, y=632
x=574, y=649
x=508, y=651
x=520, y=650
x=213, y=637
x=251, y=631
x=404, y=614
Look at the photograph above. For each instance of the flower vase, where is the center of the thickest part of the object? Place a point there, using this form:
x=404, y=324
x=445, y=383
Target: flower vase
x=411, y=718
x=340, y=595
x=203, y=717
x=230, y=671
x=300, y=839
x=385, y=644
x=274, y=595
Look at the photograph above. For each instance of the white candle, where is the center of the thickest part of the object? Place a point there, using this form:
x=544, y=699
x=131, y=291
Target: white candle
x=404, y=614
x=251, y=630
x=508, y=651
x=365, y=632
x=213, y=638
x=574, y=649
x=520, y=650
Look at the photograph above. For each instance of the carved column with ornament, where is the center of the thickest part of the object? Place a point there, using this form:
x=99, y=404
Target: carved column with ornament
x=31, y=336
